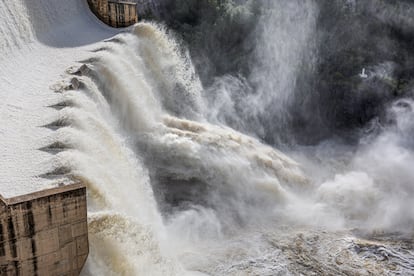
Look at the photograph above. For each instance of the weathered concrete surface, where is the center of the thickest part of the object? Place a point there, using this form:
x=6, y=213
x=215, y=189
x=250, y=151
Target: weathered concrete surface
x=44, y=233
x=115, y=13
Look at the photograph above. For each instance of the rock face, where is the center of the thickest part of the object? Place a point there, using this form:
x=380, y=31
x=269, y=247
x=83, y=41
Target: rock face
x=44, y=233
x=115, y=13
x=149, y=8
x=231, y=46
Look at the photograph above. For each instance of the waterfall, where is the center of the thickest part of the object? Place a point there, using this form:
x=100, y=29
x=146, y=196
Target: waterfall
x=190, y=177
x=127, y=141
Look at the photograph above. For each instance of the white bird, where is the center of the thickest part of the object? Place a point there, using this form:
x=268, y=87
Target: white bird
x=363, y=74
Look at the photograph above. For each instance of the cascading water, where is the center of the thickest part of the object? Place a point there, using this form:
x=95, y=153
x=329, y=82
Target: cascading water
x=195, y=167
x=167, y=192
x=183, y=174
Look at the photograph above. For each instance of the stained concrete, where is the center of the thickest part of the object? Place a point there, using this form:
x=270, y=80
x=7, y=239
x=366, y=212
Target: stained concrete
x=44, y=233
x=115, y=13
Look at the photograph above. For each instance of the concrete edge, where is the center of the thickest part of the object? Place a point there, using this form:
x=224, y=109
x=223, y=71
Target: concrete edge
x=41, y=194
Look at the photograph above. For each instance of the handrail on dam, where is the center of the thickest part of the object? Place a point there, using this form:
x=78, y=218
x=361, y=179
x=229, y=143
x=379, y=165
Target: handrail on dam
x=45, y=232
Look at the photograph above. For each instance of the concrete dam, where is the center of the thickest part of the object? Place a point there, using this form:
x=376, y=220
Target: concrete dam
x=172, y=147
x=45, y=231
x=43, y=213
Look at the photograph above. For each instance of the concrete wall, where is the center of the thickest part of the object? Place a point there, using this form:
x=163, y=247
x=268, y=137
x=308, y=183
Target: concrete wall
x=100, y=9
x=115, y=13
x=44, y=233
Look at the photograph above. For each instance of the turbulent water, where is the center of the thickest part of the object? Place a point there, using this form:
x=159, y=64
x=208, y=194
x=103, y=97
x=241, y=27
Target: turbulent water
x=183, y=170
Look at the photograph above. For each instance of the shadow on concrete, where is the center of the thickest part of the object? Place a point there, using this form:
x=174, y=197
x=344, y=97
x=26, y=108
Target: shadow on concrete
x=66, y=23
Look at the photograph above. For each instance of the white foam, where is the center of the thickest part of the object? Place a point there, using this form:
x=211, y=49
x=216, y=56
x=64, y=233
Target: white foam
x=130, y=125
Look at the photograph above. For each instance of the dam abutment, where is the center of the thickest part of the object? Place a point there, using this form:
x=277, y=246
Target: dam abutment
x=115, y=13
x=44, y=233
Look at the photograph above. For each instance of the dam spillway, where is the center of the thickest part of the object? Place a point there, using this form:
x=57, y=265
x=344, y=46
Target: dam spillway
x=188, y=176
x=43, y=213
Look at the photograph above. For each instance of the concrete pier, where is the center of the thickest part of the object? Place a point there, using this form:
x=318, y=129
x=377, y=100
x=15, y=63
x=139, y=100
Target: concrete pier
x=115, y=13
x=44, y=233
